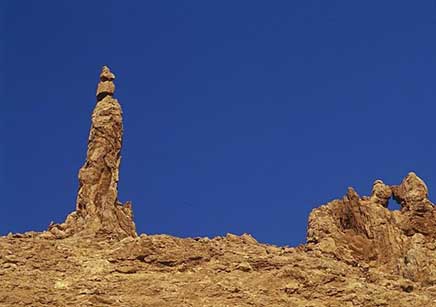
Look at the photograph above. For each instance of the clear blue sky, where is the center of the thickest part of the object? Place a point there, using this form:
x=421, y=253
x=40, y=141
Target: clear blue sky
x=239, y=116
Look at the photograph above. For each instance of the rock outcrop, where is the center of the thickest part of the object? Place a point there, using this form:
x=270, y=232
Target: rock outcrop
x=362, y=230
x=358, y=251
x=98, y=211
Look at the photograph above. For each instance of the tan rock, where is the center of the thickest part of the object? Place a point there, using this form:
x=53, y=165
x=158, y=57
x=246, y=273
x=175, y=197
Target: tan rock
x=360, y=230
x=106, y=74
x=412, y=194
x=105, y=87
x=358, y=252
x=98, y=211
x=381, y=193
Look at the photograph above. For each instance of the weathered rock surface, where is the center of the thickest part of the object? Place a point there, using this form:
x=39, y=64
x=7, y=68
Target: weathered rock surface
x=363, y=231
x=161, y=270
x=98, y=211
x=358, y=252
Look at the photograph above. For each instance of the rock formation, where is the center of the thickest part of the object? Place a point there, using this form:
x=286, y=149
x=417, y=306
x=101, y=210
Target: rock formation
x=363, y=230
x=358, y=252
x=98, y=211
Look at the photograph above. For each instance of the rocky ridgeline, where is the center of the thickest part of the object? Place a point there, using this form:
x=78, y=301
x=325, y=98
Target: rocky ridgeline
x=358, y=252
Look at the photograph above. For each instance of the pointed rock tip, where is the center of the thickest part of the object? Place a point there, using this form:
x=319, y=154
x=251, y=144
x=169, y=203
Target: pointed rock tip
x=414, y=180
x=411, y=191
x=351, y=193
x=106, y=86
x=411, y=176
x=106, y=74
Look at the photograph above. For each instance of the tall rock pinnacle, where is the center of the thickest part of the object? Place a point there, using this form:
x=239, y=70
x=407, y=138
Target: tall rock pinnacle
x=98, y=211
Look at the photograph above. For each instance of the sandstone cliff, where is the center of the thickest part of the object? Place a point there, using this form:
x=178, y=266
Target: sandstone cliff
x=358, y=252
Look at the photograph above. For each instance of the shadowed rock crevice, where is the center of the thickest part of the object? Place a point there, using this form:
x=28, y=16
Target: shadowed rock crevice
x=98, y=210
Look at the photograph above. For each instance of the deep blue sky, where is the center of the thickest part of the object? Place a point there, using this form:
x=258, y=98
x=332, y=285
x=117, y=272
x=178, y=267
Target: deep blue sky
x=239, y=116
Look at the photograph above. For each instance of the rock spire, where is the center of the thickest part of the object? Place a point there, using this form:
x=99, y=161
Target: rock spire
x=98, y=211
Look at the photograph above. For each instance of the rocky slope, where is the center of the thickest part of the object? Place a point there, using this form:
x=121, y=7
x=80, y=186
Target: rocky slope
x=358, y=252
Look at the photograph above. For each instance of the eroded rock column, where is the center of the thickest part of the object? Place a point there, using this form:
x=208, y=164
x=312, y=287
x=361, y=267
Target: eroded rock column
x=98, y=211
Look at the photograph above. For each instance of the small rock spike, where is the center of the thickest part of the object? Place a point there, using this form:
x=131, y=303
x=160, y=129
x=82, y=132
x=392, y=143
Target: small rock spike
x=106, y=86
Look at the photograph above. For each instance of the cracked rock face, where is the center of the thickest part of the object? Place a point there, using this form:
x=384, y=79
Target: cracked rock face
x=362, y=229
x=98, y=211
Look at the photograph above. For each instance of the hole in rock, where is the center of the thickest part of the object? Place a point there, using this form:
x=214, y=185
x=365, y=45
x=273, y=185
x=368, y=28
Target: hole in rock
x=393, y=205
